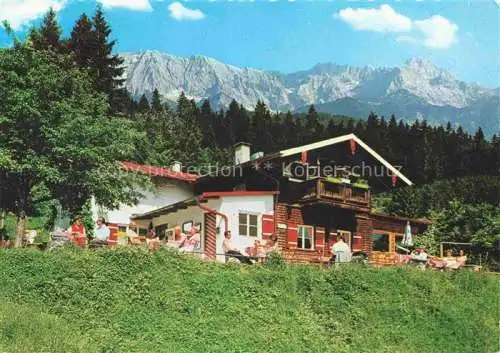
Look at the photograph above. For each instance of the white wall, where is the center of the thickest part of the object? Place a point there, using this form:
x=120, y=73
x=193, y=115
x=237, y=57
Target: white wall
x=163, y=195
x=232, y=206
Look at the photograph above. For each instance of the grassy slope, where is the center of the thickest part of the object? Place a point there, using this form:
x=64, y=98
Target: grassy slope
x=134, y=301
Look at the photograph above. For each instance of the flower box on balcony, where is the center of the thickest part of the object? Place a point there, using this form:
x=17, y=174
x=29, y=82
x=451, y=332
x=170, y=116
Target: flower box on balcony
x=334, y=180
x=361, y=184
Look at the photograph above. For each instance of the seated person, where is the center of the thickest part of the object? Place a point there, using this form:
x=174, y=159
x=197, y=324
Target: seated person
x=101, y=233
x=450, y=261
x=132, y=235
x=454, y=263
x=420, y=255
x=76, y=232
x=152, y=240
x=251, y=251
x=192, y=240
x=260, y=249
x=272, y=245
x=436, y=262
x=461, y=259
x=178, y=240
x=233, y=252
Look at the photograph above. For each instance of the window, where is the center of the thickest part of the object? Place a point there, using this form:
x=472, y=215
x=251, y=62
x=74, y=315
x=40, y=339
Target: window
x=169, y=234
x=305, y=237
x=248, y=224
x=142, y=232
x=380, y=242
x=160, y=231
x=122, y=229
x=387, y=241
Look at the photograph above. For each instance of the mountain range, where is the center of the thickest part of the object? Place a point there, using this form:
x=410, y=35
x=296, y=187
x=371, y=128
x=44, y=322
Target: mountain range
x=416, y=89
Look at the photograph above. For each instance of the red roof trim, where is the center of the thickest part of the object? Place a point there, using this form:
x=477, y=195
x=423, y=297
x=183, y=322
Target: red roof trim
x=237, y=193
x=159, y=171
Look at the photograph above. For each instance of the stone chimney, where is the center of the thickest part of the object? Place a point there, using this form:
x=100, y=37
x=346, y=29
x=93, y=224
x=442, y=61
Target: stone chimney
x=176, y=166
x=241, y=152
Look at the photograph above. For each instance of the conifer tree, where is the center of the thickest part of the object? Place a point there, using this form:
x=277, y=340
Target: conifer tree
x=233, y=120
x=48, y=36
x=359, y=130
x=81, y=42
x=331, y=129
x=299, y=135
x=156, y=104
x=107, y=67
x=350, y=126
x=260, y=127
x=289, y=130
x=207, y=124
x=187, y=141
x=278, y=139
x=143, y=105
x=314, y=129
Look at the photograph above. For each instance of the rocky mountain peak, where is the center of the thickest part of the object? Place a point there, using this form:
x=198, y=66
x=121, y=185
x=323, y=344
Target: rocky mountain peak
x=415, y=83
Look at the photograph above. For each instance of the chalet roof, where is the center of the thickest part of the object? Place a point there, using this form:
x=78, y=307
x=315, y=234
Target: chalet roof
x=330, y=142
x=167, y=209
x=377, y=214
x=343, y=138
x=159, y=171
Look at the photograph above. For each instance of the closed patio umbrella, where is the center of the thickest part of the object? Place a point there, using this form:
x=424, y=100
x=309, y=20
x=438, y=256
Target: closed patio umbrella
x=407, y=237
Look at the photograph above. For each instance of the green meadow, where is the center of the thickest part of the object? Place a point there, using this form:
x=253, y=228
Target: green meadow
x=131, y=300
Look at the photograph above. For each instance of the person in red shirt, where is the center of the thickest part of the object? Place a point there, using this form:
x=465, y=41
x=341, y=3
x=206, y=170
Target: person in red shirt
x=77, y=230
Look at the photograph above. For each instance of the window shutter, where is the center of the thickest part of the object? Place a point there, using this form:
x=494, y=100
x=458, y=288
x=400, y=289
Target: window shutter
x=267, y=226
x=319, y=238
x=357, y=243
x=292, y=235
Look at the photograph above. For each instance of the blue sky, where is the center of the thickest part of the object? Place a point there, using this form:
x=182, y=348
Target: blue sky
x=461, y=36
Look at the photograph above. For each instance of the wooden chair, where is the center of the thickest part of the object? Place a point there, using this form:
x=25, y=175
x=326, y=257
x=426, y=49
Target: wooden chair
x=113, y=239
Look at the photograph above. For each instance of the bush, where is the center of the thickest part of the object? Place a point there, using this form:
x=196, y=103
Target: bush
x=274, y=260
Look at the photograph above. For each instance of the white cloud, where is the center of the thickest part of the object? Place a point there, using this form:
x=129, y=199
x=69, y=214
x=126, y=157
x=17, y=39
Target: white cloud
x=433, y=32
x=438, y=32
x=136, y=5
x=21, y=12
x=180, y=12
x=384, y=19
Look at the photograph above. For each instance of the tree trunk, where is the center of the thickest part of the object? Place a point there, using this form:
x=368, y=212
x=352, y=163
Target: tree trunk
x=20, y=228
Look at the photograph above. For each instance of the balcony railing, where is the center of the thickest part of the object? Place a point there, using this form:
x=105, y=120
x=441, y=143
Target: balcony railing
x=336, y=192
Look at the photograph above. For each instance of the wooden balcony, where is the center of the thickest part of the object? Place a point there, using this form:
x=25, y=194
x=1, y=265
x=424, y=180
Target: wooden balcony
x=339, y=194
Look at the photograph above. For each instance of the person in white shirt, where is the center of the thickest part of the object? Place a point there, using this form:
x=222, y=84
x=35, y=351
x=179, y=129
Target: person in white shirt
x=341, y=251
x=101, y=233
x=227, y=246
x=133, y=237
